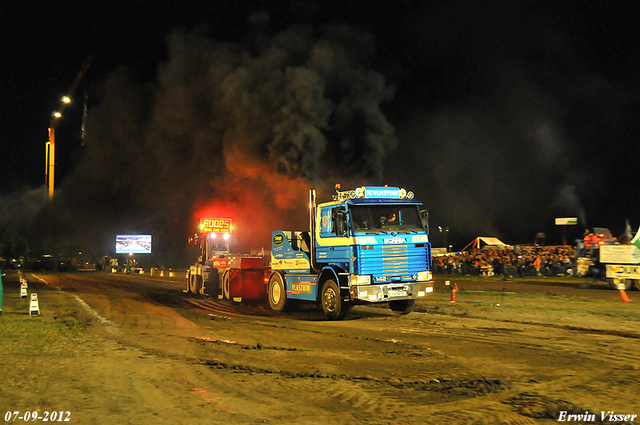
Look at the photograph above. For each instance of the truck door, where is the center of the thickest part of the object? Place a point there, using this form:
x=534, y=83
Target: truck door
x=333, y=244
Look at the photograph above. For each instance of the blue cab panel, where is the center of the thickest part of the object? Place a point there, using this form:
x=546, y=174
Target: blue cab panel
x=288, y=252
x=301, y=287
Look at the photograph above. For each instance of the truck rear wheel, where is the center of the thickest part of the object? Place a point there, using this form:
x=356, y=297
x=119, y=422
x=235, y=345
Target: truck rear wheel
x=277, y=293
x=331, y=301
x=402, y=306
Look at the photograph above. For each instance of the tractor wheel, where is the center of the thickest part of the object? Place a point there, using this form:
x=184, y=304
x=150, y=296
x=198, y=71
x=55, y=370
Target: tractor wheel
x=213, y=287
x=192, y=284
x=198, y=280
x=225, y=286
x=277, y=293
x=402, y=307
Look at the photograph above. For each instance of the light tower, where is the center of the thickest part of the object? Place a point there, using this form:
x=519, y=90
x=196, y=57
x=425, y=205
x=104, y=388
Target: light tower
x=50, y=147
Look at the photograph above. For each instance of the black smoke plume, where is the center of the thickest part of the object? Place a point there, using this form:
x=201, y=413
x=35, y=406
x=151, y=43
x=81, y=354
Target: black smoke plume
x=226, y=129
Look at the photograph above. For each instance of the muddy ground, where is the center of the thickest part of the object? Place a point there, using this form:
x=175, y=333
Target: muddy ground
x=121, y=349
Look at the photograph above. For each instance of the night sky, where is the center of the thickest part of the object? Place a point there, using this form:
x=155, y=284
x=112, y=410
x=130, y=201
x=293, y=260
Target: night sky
x=500, y=116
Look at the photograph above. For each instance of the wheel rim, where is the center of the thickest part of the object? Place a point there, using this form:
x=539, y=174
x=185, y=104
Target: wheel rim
x=329, y=300
x=276, y=293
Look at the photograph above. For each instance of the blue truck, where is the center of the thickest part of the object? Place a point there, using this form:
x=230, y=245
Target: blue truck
x=368, y=245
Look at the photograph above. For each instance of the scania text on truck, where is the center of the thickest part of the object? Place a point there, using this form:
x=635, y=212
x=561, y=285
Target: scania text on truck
x=368, y=245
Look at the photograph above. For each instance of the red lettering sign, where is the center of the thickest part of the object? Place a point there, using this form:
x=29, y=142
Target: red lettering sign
x=217, y=225
x=220, y=263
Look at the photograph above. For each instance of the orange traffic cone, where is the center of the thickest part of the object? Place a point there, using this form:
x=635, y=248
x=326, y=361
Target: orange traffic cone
x=454, y=289
x=624, y=297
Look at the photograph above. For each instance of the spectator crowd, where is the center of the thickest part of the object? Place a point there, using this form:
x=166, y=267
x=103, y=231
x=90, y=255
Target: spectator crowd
x=513, y=260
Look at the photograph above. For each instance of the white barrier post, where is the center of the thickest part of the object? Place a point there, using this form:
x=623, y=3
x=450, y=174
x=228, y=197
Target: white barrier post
x=34, y=307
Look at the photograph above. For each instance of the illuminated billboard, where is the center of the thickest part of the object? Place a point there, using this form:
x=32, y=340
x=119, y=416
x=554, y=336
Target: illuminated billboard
x=133, y=244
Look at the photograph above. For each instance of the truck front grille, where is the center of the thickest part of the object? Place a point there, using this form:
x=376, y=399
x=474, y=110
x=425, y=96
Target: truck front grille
x=392, y=261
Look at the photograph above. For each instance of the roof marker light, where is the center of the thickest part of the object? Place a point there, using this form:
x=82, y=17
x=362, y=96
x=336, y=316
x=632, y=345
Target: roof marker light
x=381, y=192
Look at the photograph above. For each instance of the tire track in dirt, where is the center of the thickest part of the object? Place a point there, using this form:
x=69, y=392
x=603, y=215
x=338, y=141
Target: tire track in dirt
x=493, y=335
x=298, y=382
x=365, y=397
x=532, y=335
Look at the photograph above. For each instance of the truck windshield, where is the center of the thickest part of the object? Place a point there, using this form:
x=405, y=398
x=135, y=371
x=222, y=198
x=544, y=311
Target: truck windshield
x=385, y=218
x=216, y=245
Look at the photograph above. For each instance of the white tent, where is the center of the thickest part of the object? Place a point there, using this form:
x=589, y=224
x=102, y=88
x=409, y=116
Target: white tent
x=491, y=241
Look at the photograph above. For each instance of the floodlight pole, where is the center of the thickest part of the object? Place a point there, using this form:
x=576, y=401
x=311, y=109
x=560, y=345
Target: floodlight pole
x=50, y=147
x=51, y=160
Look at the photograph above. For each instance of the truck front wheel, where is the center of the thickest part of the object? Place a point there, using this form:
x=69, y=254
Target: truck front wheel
x=331, y=301
x=402, y=306
x=277, y=293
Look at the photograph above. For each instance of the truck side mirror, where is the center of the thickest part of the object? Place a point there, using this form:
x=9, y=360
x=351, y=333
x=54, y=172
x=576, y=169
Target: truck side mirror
x=424, y=215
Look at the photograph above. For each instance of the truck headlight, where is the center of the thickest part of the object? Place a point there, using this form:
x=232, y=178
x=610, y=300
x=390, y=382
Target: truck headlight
x=425, y=275
x=360, y=279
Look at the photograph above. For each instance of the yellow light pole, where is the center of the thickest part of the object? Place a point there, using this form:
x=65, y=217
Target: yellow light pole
x=50, y=155
x=50, y=147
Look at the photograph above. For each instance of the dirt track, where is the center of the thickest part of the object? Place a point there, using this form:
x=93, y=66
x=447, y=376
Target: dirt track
x=134, y=349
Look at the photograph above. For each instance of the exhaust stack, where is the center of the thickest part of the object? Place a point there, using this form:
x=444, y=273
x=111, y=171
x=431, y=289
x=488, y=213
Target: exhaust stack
x=312, y=229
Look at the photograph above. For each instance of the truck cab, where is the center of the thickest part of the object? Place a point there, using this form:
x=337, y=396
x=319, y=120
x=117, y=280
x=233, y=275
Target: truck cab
x=368, y=245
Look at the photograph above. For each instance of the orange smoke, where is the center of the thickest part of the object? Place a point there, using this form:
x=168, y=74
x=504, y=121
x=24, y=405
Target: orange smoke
x=258, y=200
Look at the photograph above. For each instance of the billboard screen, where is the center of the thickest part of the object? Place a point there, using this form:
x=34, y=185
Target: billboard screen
x=566, y=221
x=133, y=244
